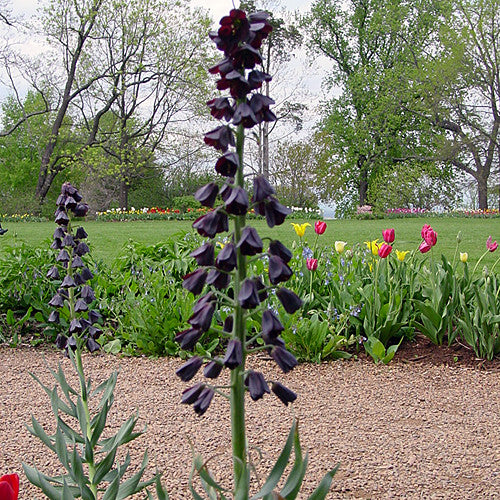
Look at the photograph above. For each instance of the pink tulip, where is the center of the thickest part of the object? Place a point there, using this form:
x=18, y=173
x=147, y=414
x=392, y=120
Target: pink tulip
x=429, y=235
x=320, y=227
x=388, y=235
x=312, y=264
x=424, y=247
x=384, y=250
x=491, y=246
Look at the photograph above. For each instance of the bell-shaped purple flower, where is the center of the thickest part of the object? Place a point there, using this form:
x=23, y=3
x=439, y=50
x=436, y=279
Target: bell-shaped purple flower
x=261, y=189
x=237, y=202
x=261, y=288
x=248, y=296
x=228, y=324
x=222, y=67
x=189, y=396
x=210, y=224
x=278, y=270
x=53, y=317
x=92, y=345
x=250, y=242
x=204, y=255
x=61, y=217
x=244, y=115
x=256, y=78
x=284, y=394
x=277, y=248
x=82, y=248
x=53, y=273
x=208, y=298
x=271, y=325
x=189, y=369
x=75, y=326
x=236, y=83
x=87, y=294
x=68, y=282
x=86, y=274
x=284, y=359
x=206, y=194
x=234, y=354
x=77, y=262
x=290, y=300
x=188, y=338
x=80, y=210
x=260, y=106
x=81, y=305
x=220, y=138
x=220, y=108
x=218, y=279
x=94, y=316
x=226, y=260
x=68, y=240
x=275, y=212
x=257, y=385
x=200, y=406
x=227, y=165
x=246, y=56
x=202, y=318
x=56, y=244
x=195, y=281
x=59, y=232
x=80, y=234
x=63, y=256
x=213, y=369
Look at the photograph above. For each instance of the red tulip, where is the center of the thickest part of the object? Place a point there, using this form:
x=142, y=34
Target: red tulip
x=384, y=250
x=312, y=264
x=388, y=235
x=9, y=487
x=424, y=247
x=429, y=236
x=320, y=227
x=491, y=246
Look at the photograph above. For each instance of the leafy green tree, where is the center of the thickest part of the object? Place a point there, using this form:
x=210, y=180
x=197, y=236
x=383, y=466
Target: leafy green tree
x=365, y=128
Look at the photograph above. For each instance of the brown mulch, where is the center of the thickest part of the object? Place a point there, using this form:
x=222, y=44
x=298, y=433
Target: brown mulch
x=425, y=426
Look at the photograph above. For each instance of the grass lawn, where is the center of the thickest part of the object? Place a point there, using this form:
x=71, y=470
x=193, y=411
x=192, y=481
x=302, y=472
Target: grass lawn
x=107, y=238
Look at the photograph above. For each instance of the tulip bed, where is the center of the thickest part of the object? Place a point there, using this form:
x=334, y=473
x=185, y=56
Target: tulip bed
x=359, y=296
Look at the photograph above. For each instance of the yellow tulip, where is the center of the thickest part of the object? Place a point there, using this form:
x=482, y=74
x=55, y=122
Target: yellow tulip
x=464, y=256
x=340, y=245
x=300, y=229
x=373, y=246
x=401, y=254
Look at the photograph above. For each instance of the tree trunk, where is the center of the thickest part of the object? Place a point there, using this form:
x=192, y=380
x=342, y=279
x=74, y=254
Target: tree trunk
x=482, y=192
x=363, y=180
x=124, y=187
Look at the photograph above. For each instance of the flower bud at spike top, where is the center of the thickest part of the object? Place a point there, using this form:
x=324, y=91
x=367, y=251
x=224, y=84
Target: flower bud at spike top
x=388, y=235
x=384, y=250
x=320, y=227
x=491, y=246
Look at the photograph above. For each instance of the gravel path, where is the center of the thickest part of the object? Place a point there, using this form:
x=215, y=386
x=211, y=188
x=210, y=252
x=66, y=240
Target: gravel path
x=410, y=430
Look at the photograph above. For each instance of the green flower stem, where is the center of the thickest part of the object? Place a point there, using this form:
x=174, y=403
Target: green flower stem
x=238, y=431
x=84, y=395
x=478, y=262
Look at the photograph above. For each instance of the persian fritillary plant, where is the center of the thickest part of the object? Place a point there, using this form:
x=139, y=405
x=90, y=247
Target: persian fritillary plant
x=223, y=278
x=87, y=457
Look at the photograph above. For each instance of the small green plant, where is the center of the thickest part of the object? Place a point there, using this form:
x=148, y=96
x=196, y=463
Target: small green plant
x=378, y=351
